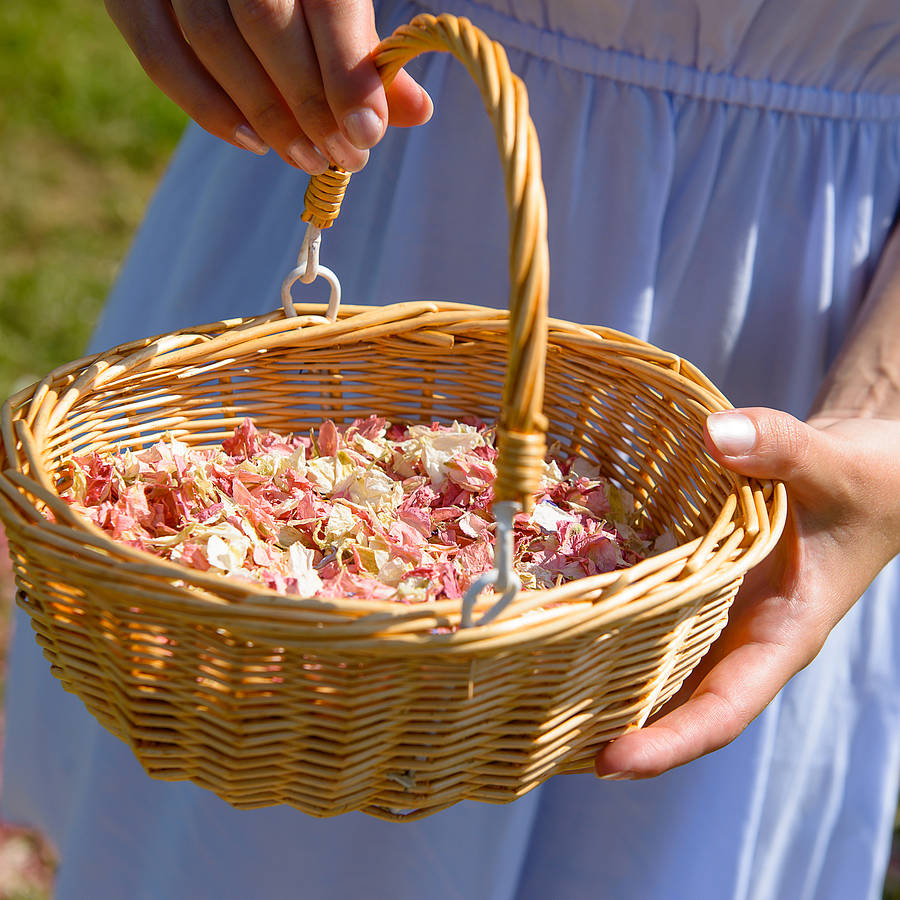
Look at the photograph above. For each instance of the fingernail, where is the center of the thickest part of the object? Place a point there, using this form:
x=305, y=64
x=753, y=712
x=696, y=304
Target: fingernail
x=364, y=127
x=427, y=96
x=733, y=433
x=250, y=140
x=307, y=157
x=342, y=154
x=617, y=776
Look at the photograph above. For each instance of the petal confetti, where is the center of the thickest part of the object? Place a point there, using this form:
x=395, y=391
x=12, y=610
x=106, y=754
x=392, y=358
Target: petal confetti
x=372, y=510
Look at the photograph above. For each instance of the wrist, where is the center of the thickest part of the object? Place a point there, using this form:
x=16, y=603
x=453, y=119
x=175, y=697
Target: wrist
x=864, y=381
x=863, y=385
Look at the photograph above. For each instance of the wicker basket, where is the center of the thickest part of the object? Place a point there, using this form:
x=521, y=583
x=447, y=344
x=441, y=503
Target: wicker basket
x=350, y=705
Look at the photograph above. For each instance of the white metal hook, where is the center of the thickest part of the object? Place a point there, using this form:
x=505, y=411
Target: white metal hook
x=297, y=274
x=503, y=576
x=307, y=270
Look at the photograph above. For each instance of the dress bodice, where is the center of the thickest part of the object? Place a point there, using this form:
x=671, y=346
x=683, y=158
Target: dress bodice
x=848, y=47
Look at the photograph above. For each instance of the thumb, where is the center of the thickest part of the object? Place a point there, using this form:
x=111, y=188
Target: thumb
x=767, y=443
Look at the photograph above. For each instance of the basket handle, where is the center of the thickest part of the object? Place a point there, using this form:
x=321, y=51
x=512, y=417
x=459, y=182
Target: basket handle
x=520, y=433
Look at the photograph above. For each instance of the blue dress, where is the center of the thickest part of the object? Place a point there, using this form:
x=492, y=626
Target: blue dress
x=721, y=177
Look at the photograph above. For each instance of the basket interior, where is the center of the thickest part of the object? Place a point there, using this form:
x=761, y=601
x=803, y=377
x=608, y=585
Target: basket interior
x=637, y=421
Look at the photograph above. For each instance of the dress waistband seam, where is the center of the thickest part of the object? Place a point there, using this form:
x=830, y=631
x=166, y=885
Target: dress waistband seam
x=669, y=77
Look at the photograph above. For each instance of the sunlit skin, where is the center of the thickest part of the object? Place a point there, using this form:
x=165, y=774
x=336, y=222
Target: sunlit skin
x=291, y=76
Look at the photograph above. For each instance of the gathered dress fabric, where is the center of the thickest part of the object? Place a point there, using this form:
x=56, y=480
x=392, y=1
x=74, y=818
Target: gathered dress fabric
x=721, y=178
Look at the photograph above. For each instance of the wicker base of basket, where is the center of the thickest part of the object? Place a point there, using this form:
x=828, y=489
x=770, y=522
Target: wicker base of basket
x=346, y=705
x=396, y=738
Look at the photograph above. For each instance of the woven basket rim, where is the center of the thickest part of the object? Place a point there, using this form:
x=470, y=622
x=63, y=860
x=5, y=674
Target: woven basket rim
x=597, y=334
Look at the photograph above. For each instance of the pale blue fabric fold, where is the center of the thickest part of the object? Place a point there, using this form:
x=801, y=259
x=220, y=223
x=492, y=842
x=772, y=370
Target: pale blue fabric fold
x=721, y=178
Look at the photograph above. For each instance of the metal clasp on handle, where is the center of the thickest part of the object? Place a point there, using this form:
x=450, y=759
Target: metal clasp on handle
x=307, y=270
x=503, y=576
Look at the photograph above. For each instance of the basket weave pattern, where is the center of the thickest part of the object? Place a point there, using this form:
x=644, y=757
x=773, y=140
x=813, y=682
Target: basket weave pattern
x=333, y=706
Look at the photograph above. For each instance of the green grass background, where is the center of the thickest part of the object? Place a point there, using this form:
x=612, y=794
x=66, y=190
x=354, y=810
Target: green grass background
x=84, y=137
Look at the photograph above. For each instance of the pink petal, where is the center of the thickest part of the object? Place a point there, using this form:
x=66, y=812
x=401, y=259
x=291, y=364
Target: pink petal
x=329, y=440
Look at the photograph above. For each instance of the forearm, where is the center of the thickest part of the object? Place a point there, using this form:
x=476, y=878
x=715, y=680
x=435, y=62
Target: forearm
x=865, y=378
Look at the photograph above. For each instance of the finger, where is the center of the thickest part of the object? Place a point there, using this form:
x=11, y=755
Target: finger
x=214, y=38
x=276, y=32
x=219, y=45
x=767, y=443
x=763, y=443
x=408, y=102
x=344, y=36
x=154, y=37
x=731, y=696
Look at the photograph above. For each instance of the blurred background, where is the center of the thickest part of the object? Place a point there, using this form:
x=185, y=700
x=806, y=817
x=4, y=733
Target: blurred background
x=84, y=137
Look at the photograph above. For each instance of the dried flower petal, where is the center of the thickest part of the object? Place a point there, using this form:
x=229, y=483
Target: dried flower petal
x=373, y=510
